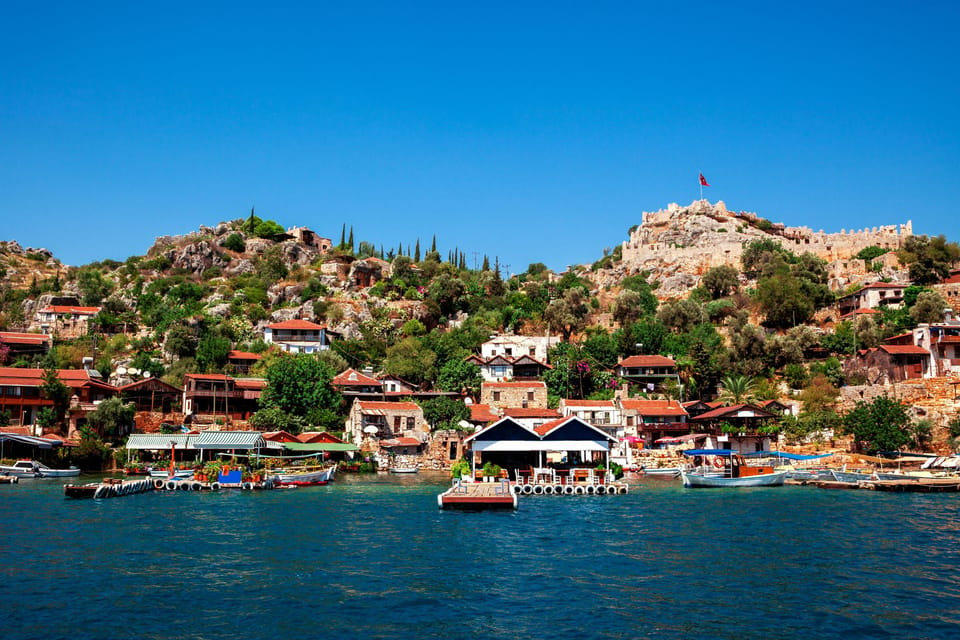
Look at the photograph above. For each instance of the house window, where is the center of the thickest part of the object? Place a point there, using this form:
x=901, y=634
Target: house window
x=453, y=451
x=396, y=423
x=496, y=396
x=532, y=351
x=410, y=423
x=530, y=396
x=508, y=351
x=629, y=421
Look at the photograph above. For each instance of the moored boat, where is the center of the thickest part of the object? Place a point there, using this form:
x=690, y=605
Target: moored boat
x=303, y=476
x=729, y=469
x=166, y=473
x=34, y=469
x=404, y=469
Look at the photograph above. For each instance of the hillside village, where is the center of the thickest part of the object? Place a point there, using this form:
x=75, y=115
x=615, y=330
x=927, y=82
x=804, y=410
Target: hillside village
x=704, y=325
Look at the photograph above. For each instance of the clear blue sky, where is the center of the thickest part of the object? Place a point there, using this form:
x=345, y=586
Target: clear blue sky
x=538, y=132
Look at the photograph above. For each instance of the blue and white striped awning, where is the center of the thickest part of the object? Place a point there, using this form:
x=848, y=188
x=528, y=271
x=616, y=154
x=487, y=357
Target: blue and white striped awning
x=158, y=441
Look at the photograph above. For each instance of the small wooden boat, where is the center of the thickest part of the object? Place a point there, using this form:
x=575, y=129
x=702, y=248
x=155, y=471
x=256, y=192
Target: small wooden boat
x=303, y=476
x=729, y=469
x=404, y=469
x=176, y=473
x=80, y=490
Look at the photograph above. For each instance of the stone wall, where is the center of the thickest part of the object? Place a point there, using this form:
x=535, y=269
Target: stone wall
x=695, y=238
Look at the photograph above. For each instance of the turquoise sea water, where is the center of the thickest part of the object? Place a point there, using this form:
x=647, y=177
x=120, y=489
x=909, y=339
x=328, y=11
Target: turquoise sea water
x=376, y=558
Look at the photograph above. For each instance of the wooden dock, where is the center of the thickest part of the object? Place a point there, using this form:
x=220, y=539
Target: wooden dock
x=478, y=496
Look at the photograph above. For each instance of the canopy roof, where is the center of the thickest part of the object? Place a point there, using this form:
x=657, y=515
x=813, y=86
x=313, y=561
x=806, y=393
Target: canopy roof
x=570, y=434
x=709, y=452
x=786, y=455
x=33, y=441
x=232, y=440
x=157, y=441
x=319, y=446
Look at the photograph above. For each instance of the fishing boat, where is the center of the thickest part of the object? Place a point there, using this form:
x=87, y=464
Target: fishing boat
x=726, y=468
x=303, y=476
x=404, y=469
x=661, y=472
x=34, y=469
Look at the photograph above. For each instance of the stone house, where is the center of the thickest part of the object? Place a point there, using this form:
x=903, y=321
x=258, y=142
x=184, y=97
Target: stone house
x=502, y=367
x=599, y=413
x=525, y=395
x=209, y=397
x=66, y=320
x=371, y=421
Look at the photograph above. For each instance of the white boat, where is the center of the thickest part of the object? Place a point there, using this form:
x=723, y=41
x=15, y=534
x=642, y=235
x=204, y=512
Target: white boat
x=670, y=472
x=726, y=468
x=34, y=469
x=165, y=473
x=302, y=476
x=404, y=469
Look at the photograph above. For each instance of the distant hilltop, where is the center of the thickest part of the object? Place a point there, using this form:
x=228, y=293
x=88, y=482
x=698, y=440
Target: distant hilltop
x=695, y=238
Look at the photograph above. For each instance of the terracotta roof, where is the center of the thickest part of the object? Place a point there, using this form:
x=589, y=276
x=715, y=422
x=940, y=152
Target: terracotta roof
x=243, y=355
x=353, y=378
x=859, y=312
x=482, y=413
x=207, y=376
x=11, y=337
x=296, y=324
x=589, y=403
x=530, y=412
x=400, y=442
x=899, y=335
x=145, y=381
x=546, y=427
x=318, y=436
x=904, y=350
x=66, y=308
x=720, y=412
x=250, y=383
x=34, y=377
x=279, y=436
x=372, y=405
x=647, y=361
x=516, y=385
x=654, y=407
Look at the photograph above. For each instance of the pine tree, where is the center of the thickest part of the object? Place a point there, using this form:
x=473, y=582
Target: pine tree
x=416, y=252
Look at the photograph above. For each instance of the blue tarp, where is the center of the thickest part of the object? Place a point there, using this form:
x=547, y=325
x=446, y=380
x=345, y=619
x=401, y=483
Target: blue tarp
x=785, y=455
x=709, y=452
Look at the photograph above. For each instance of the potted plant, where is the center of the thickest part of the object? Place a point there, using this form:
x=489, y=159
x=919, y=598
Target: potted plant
x=460, y=469
x=490, y=471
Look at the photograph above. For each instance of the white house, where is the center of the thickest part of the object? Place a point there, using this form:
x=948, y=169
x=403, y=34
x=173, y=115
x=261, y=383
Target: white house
x=298, y=336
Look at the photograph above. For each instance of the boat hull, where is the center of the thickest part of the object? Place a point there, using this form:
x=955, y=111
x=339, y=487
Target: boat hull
x=698, y=480
x=304, y=478
x=179, y=473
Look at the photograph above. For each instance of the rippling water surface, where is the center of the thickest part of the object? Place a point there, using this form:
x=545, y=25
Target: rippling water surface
x=375, y=558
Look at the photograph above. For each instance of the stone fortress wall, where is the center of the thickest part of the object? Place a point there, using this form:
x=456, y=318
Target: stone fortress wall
x=704, y=235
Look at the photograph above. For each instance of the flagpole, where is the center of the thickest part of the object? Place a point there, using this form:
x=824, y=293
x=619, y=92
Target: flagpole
x=700, y=182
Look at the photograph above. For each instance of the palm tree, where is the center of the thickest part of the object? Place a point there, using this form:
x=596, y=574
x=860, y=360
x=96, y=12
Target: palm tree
x=737, y=389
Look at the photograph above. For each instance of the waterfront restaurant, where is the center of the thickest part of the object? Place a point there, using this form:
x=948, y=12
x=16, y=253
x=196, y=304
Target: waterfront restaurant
x=570, y=441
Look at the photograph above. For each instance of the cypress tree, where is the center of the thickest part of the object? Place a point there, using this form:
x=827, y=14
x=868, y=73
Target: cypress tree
x=433, y=246
x=486, y=263
x=251, y=223
x=343, y=236
x=416, y=252
x=350, y=241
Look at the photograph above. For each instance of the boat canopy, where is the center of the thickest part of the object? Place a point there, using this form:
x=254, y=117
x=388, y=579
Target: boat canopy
x=786, y=455
x=233, y=440
x=709, y=452
x=32, y=441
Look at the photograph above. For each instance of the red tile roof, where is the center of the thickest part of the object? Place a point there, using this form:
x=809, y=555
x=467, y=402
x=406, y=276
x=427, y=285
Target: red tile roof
x=547, y=427
x=318, y=436
x=588, y=403
x=353, y=378
x=654, y=407
x=400, y=442
x=530, y=412
x=482, y=413
x=720, y=412
x=904, y=350
x=250, y=383
x=243, y=355
x=207, y=376
x=516, y=385
x=66, y=308
x=10, y=337
x=371, y=405
x=12, y=376
x=647, y=361
x=296, y=324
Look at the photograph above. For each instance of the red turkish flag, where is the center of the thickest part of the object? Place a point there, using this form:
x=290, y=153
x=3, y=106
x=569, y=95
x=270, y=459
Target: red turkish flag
x=703, y=181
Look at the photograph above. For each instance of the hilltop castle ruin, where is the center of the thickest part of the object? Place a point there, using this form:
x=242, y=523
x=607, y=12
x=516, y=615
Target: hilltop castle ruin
x=695, y=238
